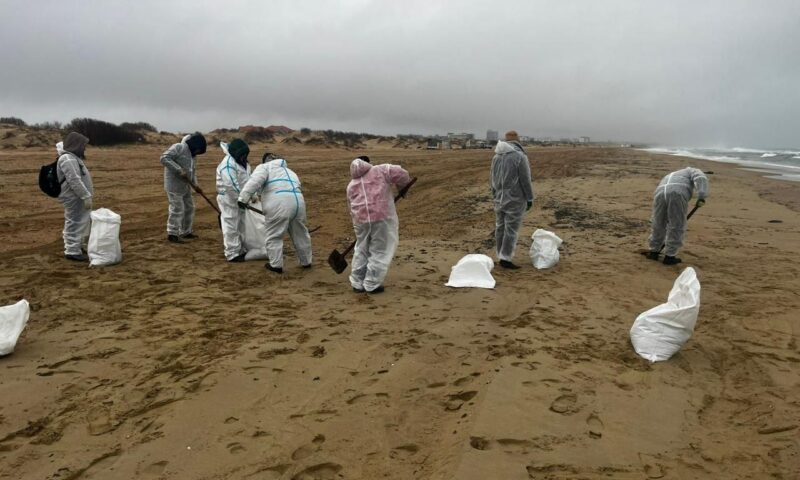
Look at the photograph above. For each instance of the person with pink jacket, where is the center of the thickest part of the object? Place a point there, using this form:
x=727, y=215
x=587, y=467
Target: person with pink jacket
x=369, y=196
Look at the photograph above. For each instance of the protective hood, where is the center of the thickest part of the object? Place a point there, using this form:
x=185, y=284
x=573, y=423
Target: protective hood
x=277, y=163
x=60, y=148
x=359, y=168
x=239, y=150
x=504, y=147
x=196, y=143
x=74, y=142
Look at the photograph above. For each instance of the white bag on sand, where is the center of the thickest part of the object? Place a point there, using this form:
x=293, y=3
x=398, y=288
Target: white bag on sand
x=544, y=249
x=660, y=332
x=472, y=271
x=255, y=236
x=104, y=246
x=13, y=319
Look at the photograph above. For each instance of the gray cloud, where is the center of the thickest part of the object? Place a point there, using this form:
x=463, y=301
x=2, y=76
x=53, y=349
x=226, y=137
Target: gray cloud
x=718, y=72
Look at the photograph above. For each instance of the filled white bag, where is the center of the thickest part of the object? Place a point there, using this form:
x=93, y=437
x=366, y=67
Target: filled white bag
x=255, y=236
x=660, y=332
x=544, y=249
x=13, y=319
x=104, y=246
x=472, y=271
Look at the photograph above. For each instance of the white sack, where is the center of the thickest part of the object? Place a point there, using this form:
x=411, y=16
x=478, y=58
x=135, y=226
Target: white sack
x=544, y=249
x=104, y=246
x=660, y=332
x=472, y=271
x=255, y=236
x=13, y=319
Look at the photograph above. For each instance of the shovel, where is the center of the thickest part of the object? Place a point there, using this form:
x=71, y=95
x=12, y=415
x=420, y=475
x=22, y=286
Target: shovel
x=337, y=260
x=213, y=205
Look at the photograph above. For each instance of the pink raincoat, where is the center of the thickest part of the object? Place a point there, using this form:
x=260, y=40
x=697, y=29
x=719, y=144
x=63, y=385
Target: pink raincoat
x=369, y=193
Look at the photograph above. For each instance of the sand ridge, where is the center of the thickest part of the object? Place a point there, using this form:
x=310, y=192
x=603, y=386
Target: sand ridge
x=175, y=364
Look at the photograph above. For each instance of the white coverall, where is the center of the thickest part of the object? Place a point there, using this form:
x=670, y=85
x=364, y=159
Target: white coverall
x=76, y=187
x=512, y=189
x=231, y=177
x=284, y=209
x=178, y=158
x=670, y=204
x=375, y=221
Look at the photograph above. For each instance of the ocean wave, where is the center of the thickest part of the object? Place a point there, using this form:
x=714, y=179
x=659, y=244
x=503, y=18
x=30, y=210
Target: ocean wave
x=769, y=155
x=677, y=152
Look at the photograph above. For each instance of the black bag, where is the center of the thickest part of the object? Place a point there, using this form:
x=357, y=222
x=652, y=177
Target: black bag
x=48, y=180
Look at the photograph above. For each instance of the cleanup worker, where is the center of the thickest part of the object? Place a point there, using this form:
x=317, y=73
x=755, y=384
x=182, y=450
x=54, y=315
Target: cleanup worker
x=512, y=191
x=670, y=204
x=180, y=172
x=375, y=221
x=232, y=174
x=76, y=194
x=284, y=210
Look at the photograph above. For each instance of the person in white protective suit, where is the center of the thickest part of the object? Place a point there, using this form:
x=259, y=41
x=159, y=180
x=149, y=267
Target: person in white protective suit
x=369, y=196
x=670, y=204
x=180, y=172
x=76, y=195
x=232, y=174
x=512, y=191
x=284, y=210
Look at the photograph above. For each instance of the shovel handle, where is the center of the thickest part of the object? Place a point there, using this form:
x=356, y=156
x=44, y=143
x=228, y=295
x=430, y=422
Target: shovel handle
x=404, y=190
x=696, y=207
x=196, y=189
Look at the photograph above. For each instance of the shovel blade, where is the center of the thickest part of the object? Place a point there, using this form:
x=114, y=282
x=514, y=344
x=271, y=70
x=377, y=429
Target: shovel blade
x=337, y=261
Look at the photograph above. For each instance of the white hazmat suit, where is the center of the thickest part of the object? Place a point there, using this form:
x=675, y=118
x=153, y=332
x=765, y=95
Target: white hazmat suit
x=284, y=210
x=178, y=159
x=670, y=204
x=375, y=221
x=231, y=177
x=512, y=191
x=76, y=195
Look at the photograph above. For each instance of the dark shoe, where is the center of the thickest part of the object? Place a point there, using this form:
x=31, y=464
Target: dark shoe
x=189, y=236
x=306, y=266
x=273, y=269
x=77, y=258
x=377, y=290
x=358, y=290
x=651, y=255
x=671, y=260
x=508, y=265
x=174, y=239
x=237, y=259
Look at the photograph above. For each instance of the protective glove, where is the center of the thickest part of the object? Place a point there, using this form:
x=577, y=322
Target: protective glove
x=183, y=175
x=87, y=203
x=255, y=200
x=530, y=204
x=242, y=205
x=700, y=202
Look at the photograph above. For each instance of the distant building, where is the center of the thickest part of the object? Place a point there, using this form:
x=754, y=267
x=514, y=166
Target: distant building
x=492, y=136
x=585, y=140
x=460, y=137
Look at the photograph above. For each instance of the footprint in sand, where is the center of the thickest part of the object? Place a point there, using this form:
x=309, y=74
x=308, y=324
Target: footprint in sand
x=235, y=448
x=565, y=404
x=155, y=468
x=322, y=471
x=305, y=451
x=479, y=443
x=406, y=450
x=595, y=426
x=98, y=421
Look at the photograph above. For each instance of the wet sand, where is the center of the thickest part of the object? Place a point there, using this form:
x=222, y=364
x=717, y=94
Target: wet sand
x=178, y=365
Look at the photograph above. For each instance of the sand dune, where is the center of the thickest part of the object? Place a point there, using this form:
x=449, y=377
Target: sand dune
x=178, y=365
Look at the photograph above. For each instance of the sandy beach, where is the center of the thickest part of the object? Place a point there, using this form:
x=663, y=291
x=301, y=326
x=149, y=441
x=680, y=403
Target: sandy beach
x=178, y=365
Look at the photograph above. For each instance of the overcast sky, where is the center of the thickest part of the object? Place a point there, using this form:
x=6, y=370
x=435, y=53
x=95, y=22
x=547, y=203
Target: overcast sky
x=690, y=73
